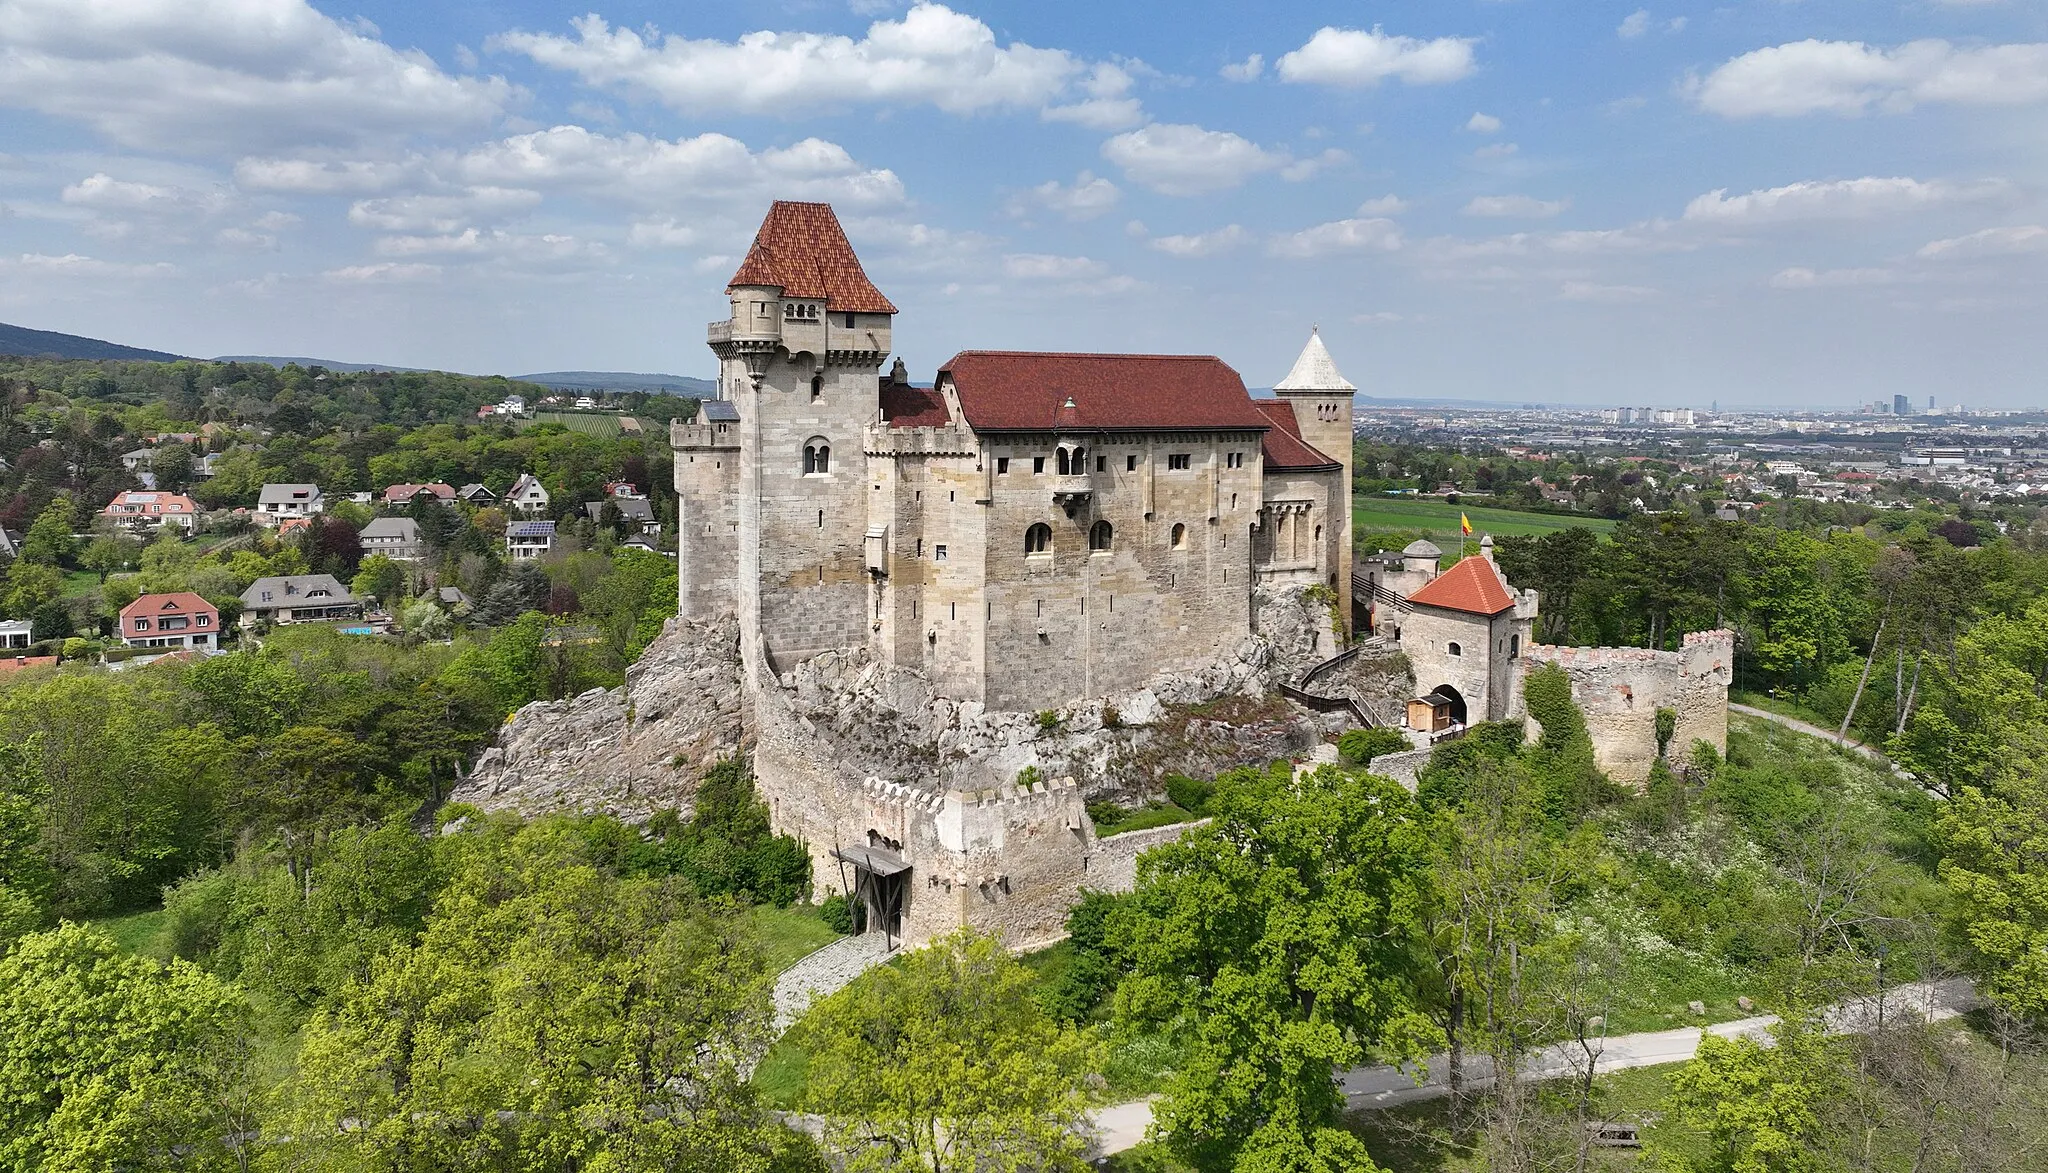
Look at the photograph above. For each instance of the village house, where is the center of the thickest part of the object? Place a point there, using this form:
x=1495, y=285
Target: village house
x=527, y=540
x=475, y=494
x=279, y=502
x=180, y=619
x=397, y=538
x=17, y=633
x=139, y=461
x=527, y=495
x=401, y=496
x=637, y=511
x=297, y=598
x=138, y=509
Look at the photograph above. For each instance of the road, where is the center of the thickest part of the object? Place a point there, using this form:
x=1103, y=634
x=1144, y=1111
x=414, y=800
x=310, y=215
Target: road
x=1122, y=1126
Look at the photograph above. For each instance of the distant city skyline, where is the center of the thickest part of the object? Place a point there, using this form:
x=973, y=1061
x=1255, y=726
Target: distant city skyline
x=1813, y=205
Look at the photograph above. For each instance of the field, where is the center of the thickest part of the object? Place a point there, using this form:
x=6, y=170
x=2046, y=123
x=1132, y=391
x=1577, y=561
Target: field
x=596, y=423
x=1441, y=517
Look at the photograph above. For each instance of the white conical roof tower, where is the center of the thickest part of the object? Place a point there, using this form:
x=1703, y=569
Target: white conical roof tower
x=1315, y=370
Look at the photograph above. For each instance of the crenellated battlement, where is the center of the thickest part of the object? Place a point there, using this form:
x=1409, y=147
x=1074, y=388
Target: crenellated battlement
x=684, y=436
x=951, y=440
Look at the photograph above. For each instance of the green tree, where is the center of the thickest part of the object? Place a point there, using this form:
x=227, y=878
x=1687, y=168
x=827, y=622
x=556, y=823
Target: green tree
x=114, y=1062
x=1995, y=863
x=49, y=540
x=32, y=587
x=1764, y=1109
x=378, y=578
x=107, y=553
x=1275, y=944
x=424, y=619
x=947, y=1057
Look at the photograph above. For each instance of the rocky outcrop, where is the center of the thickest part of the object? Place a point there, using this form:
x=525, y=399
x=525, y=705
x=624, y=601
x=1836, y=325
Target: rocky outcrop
x=630, y=750
x=642, y=747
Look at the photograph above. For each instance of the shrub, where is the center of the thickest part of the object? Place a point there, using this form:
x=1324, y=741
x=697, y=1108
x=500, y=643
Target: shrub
x=1189, y=794
x=1104, y=813
x=1361, y=746
x=1111, y=719
x=1048, y=719
x=1667, y=728
x=1029, y=776
x=837, y=913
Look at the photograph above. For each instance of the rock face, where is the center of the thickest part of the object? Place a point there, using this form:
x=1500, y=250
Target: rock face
x=632, y=750
x=627, y=751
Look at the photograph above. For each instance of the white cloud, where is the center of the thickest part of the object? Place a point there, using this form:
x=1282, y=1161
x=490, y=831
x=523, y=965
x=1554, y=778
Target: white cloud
x=473, y=242
x=1850, y=77
x=635, y=168
x=103, y=192
x=1047, y=267
x=662, y=233
x=1386, y=205
x=441, y=213
x=1515, y=207
x=1842, y=199
x=1634, y=25
x=1677, y=24
x=44, y=265
x=931, y=56
x=1802, y=278
x=1247, y=70
x=1353, y=58
x=1181, y=160
x=1483, y=124
x=1991, y=242
x=1357, y=235
x=227, y=75
x=245, y=238
x=322, y=177
x=1202, y=244
x=1108, y=104
x=1495, y=151
x=384, y=272
x=1087, y=197
x=1305, y=169
x=1607, y=294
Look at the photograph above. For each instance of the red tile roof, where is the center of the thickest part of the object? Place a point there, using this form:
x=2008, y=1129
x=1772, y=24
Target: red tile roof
x=905, y=406
x=802, y=249
x=1472, y=586
x=11, y=663
x=1012, y=391
x=1284, y=447
x=173, y=603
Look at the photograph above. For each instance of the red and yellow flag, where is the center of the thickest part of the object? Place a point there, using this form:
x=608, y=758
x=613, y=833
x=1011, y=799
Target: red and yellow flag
x=1465, y=524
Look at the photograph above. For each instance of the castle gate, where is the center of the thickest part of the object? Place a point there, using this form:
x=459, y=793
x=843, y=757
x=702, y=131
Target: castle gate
x=880, y=880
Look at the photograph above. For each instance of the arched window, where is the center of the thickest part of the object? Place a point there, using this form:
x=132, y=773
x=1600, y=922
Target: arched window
x=1514, y=646
x=817, y=387
x=1180, y=536
x=1455, y=650
x=1099, y=536
x=817, y=457
x=1038, y=539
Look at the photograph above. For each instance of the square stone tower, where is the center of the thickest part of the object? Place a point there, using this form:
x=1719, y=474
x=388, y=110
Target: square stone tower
x=1322, y=399
x=800, y=358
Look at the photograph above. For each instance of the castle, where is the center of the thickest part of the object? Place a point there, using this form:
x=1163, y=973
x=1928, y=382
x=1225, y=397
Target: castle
x=1030, y=531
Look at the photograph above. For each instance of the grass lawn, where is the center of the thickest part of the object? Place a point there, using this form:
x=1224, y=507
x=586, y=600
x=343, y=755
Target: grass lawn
x=1784, y=708
x=78, y=583
x=788, y=935
x=1163, y=813
x=1398, y=513
x=140, y=933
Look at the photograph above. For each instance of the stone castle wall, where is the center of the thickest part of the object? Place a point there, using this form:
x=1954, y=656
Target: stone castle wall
x=707, y=474
x=1621, y=689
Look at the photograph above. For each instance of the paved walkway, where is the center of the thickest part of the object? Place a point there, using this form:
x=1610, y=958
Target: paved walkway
x=1122, y=1126
x=825, y=972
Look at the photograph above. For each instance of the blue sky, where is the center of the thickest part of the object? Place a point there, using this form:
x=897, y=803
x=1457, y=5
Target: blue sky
x=1768, y=202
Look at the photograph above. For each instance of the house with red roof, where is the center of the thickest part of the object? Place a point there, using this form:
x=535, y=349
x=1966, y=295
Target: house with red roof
x=1030, y=527
x=148, y=509
x=400, y=496
x=179, y=619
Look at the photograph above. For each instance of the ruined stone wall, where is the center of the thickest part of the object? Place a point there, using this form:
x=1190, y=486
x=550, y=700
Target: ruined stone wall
x=1072, y=622
x=1621, y=689
x=1113, y=865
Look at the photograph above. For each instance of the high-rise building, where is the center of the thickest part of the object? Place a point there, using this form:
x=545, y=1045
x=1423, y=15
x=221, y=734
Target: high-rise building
x=1901, y=405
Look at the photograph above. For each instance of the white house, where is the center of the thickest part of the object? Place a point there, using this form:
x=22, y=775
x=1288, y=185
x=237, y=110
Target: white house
x=527, y=495
x=397, y=538
x=278, y=502
x=527, y=540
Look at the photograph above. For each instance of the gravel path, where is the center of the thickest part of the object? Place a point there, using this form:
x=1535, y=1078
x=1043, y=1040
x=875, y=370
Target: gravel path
x=823, y=973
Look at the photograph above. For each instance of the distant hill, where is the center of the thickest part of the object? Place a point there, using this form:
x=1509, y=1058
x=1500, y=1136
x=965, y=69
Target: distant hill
x=50, y=344
x=621, y=381
x=342, y=367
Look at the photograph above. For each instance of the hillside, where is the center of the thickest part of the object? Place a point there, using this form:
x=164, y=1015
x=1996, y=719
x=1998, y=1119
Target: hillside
x=621, y=381
x=50, y=344
x=309, y=363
